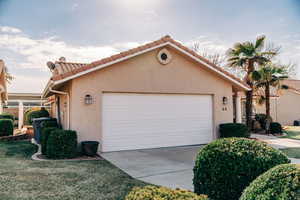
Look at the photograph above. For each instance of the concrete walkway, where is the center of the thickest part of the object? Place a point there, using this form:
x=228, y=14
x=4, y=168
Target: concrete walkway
x=279, y=143
x=170, y=167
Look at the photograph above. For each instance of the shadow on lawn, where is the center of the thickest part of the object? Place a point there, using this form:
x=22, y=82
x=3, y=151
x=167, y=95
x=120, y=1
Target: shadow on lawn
x=20, y=149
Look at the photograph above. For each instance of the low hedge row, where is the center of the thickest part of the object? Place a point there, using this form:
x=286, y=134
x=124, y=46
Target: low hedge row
x=57, y=143
x=7, y=116
x=44, y=137
x=234, y=130
x=61, y=144
x=6, y=127
x=50, y=123
x=30, y=115
x=162, y=193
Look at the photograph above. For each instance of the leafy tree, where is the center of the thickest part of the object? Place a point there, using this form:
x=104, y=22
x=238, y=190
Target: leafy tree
x=249, y=56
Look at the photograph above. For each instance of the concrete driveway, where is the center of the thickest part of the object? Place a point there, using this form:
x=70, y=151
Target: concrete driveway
x=171, y=167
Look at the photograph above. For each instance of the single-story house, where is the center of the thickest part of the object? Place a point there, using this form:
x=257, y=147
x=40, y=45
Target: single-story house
x=3, y=89
x=160, y=94
x=284, y=104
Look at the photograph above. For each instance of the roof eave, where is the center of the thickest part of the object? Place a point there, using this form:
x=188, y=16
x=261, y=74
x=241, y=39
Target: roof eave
x=46, y=90
x=232, y=80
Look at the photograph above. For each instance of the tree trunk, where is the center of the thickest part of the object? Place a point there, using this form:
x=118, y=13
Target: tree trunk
x=267, y=93
x=249, y=96
x=268, y=114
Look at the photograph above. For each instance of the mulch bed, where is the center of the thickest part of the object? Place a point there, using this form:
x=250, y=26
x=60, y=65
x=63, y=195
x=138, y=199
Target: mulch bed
x=15, y=137
x=79, y=158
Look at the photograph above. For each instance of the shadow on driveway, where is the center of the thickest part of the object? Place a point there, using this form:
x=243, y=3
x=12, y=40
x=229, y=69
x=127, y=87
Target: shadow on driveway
x=171, y=167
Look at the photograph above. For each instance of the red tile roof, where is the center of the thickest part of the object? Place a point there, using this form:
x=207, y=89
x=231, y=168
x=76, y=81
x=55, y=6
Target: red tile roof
x=70, y=69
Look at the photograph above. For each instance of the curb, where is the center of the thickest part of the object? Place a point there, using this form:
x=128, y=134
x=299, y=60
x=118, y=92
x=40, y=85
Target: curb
x=39, y=152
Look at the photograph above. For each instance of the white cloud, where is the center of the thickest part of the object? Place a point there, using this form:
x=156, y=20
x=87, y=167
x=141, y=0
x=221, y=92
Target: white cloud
x=27, y=84
x=208, y=45
x=74, y=6
x=8, y=29
x=37, y=52
x=34, y=53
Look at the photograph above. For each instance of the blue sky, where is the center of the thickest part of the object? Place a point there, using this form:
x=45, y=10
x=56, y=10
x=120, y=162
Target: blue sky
x=33, y=32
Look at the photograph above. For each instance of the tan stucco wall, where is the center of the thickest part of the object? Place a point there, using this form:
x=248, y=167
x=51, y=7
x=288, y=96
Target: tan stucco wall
x=144, y=74
x=261, y=108
x=63, y=103
x=288, y=107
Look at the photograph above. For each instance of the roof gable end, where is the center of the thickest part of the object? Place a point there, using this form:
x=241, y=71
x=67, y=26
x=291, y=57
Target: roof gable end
x=164, y=41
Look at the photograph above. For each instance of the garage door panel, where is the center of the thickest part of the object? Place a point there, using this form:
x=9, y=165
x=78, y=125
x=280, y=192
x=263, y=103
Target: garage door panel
x=137, y=121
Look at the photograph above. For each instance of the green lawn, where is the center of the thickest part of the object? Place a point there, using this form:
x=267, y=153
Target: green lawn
x=22, y=178
x=293, y=132
x=292, y=152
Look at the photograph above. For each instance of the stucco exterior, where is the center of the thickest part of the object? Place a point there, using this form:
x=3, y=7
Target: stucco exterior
x=3, y=89
x=284, y=108
x=288, y=107
x=142, y=74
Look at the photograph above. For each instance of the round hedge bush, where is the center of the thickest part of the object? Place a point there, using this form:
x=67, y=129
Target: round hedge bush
x=275, y=128
x=280, y=182
x=162, y=193
x=226, y=166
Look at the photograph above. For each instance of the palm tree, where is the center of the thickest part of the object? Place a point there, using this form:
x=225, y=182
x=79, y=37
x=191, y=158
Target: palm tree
x=248, y=56
x=269, y=75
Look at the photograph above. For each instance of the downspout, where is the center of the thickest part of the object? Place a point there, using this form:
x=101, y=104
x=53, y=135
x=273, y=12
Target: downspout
x=68, y=102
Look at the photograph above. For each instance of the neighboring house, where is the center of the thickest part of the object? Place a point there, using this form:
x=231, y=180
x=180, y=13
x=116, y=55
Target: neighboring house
x=3, y=89
x=18, y=103
x=285, y=104
x=157, y=95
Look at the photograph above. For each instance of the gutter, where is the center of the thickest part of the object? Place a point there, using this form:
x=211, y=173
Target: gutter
x=68, y=102
x=44, y=93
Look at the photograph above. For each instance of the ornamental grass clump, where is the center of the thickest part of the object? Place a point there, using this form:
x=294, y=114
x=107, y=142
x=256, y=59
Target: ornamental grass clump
x=225, y=167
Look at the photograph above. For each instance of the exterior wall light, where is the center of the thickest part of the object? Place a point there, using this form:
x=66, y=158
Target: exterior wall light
x=88, y=99
x=225, y=100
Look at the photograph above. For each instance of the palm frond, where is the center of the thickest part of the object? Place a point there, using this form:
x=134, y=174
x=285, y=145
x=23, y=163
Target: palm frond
x=260, y=42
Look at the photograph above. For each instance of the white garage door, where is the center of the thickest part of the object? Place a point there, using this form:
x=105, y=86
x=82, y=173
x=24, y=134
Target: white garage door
x=139, y=121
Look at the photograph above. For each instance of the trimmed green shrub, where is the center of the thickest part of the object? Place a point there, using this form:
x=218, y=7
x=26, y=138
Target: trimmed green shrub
x=7, y=116
x=275, y=128
x=226, y=166
x=44, y=137
x=162, y=193
x=50, y=123
x=262, y=119
x=61, y=144
x=280, y=182
x=234, y=130
x=6, y=127
x=35, y=114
